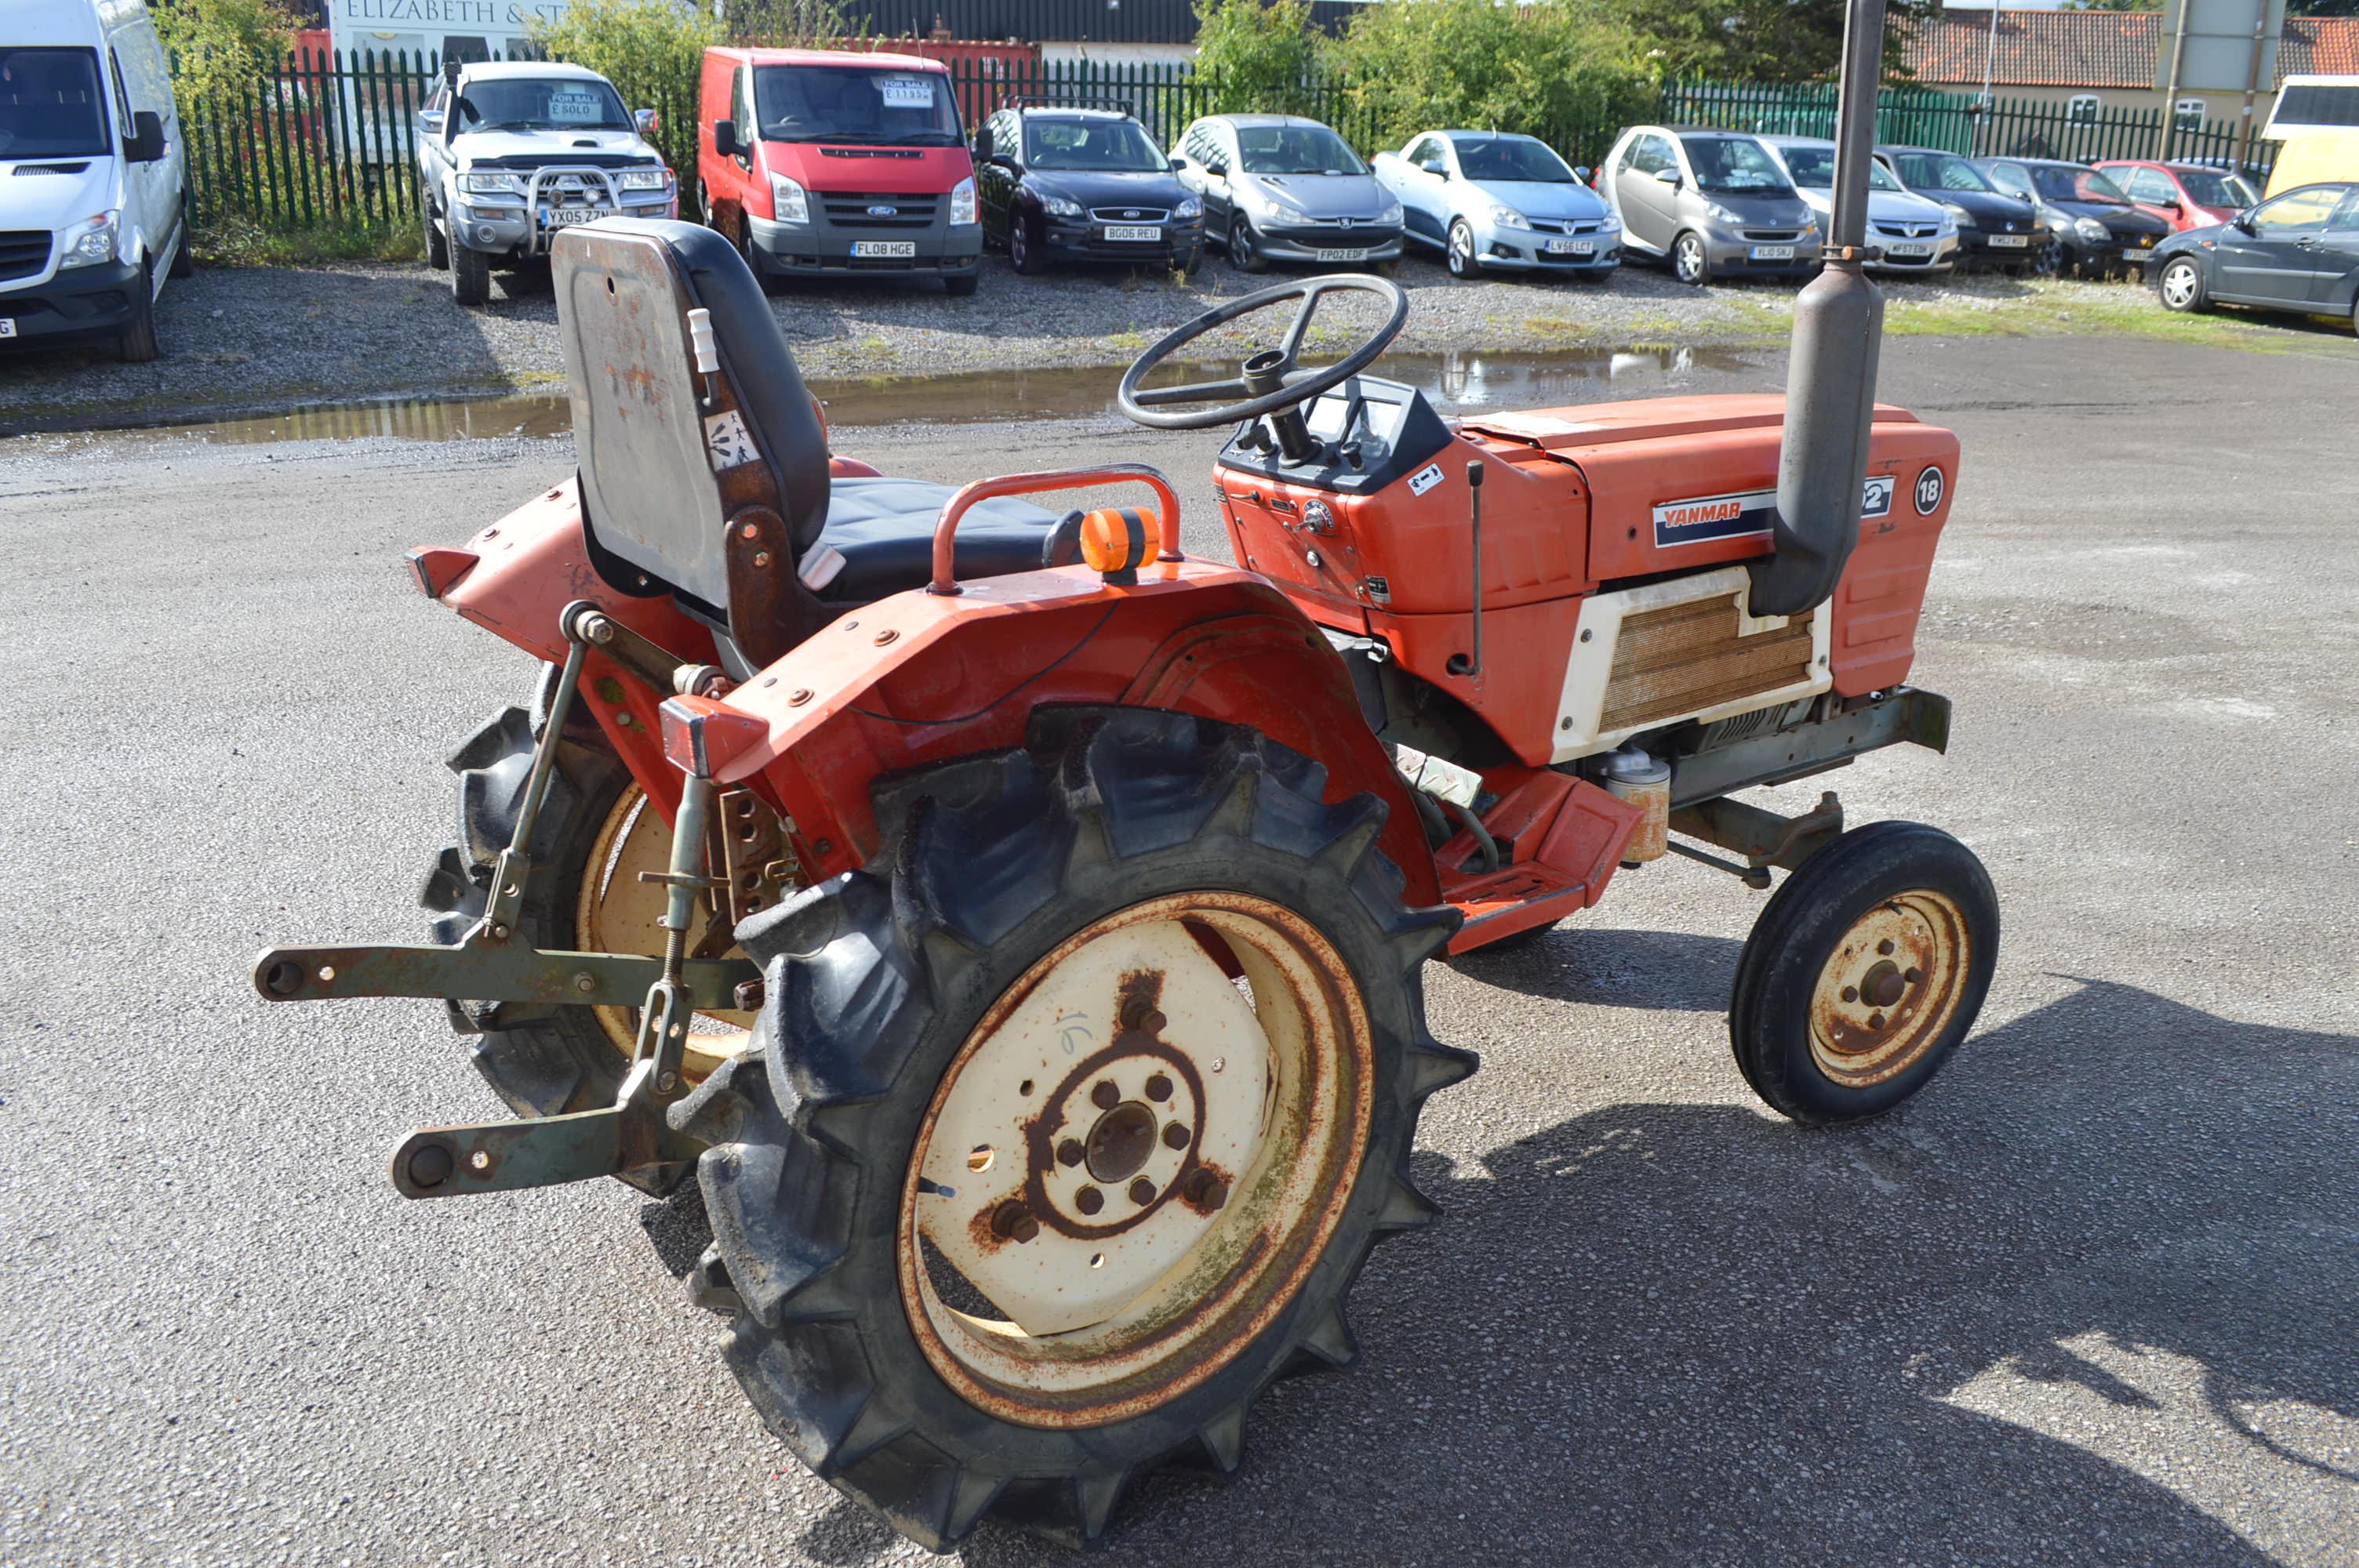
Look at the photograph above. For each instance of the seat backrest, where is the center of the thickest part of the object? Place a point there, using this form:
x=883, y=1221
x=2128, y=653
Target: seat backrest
x=688, y=474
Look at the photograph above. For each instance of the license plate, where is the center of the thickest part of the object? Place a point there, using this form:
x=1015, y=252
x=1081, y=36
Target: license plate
x=1572, y=247
x=2136, y=255
x=1359, y=254
x=563, y=217
x=2011, y=242
x=1908, y=250
x=7, y=328
x=1149, y=233
x=884, y=247
x=1771, y=252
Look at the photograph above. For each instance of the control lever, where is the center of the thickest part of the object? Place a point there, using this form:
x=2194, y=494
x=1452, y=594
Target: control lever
x=1474, y=504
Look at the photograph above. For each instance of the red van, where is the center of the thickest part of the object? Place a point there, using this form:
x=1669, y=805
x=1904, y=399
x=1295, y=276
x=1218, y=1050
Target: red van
x=816, y=161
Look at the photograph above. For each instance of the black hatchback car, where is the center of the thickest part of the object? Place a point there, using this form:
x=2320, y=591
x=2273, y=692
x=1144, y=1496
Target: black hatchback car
x=2096, y=228
x=1064, y=183
x=1993, y=230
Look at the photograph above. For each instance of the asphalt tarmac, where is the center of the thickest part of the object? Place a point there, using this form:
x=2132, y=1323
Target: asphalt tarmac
x=2093, y=1298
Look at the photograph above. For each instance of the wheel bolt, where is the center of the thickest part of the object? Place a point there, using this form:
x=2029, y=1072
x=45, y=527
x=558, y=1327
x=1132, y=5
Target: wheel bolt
x=1851, y=993
x=1884, y=946
x=1138, y=1013
x=1069, y=1151
x=1174, y=1136
x=1876, y=1020
x=1158, y=1087
x=1913, y=975
x=1106, y=1097
x=1011, y=1221
x=1205, y=1190
x=1089, y=1200
x=1142, y=1192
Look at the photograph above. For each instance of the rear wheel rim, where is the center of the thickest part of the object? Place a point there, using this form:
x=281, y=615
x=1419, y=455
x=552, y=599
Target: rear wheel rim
x=2178, y=285
x=615, y=912
x=1890, y=990
x=1179, y=1150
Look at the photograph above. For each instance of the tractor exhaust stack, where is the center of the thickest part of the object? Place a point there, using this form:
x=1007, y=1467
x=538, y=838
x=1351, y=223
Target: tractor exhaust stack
x=1830, y=374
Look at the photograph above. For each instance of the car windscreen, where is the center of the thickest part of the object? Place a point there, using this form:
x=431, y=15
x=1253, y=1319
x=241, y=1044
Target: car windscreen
x=1295, y=149
x=540, y=104
x=1109, y=146
x=1813, y=169
x=1512, y=159
x=848, y=103
x=1939, y=172
x=2060, y=184
x=2215, y=189
x=50, y=105
x=1734, y=166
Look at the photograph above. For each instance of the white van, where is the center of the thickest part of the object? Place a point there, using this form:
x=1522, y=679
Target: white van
x=91, y=169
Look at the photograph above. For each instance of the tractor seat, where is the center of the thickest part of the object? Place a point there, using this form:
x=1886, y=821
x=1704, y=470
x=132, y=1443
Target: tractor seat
x=879, y=538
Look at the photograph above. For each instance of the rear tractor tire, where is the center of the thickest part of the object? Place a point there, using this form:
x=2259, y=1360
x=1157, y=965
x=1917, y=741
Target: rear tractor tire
x=1864, y=972
x=1071, y=1119
x=596, y=833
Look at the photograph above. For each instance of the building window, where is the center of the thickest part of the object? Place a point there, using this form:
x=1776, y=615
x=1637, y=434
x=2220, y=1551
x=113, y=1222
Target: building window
x=2190, y=113
x=2082, y=110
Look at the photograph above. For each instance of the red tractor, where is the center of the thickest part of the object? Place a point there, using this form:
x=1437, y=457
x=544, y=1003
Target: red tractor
x=1016, y=924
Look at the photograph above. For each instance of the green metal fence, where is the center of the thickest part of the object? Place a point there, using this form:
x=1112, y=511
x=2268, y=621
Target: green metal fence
x=328, y=139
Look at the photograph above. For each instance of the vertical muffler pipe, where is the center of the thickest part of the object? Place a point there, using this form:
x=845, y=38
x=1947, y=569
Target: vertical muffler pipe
x=1831, y=373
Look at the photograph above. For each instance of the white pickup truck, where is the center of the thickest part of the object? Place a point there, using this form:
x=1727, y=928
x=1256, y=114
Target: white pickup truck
x=509, y=152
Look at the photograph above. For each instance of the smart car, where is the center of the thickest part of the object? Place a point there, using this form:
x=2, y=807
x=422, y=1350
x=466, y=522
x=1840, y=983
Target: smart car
x=1714, y=203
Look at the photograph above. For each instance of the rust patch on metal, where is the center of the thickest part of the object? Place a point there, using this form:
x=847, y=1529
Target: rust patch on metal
x=1889, y=990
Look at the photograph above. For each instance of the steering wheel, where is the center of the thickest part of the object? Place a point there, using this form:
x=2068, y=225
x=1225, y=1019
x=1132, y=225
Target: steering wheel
x=1270, y=379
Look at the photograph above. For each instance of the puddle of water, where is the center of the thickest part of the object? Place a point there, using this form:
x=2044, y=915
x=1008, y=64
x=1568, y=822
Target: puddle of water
x=1458, y=380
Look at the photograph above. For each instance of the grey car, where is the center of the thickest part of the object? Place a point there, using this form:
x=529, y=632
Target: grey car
x=1713, y=203
x=1281, y=187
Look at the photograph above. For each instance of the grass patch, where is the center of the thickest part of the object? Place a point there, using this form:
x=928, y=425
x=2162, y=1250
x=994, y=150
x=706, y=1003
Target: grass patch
x=234, y=241
x=2047, y=307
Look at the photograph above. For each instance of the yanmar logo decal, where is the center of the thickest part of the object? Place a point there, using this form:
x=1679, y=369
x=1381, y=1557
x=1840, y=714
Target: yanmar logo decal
x=1751, y=512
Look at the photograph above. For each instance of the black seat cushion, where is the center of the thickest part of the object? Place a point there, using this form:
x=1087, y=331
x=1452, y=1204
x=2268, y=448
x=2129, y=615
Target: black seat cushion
x=883, y=529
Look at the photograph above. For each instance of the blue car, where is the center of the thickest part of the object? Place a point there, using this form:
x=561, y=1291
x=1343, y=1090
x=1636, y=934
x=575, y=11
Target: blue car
x=1068, y=183
x=1490, y=201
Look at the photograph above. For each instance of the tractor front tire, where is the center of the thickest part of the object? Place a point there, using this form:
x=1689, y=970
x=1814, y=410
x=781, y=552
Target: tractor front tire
x=1864, y=972
x=1023, y=1192
x=593, y=836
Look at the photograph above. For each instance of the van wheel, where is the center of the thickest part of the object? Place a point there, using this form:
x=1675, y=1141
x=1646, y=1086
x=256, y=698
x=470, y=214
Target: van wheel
x=136, y=345
x=1690, y=264
x=184, y=258
x=437, y=248
x=471, y=275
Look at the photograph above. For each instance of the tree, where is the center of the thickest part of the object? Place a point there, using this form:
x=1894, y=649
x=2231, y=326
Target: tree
x=1257, y=55
x=1755, y=40
x=1549, y=68
x=220, y=48
x=650, y=50
x=776, y=23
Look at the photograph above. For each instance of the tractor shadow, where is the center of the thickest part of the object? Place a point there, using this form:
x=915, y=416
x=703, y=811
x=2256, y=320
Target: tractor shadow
x=1670, y=971
x=2088, y=1295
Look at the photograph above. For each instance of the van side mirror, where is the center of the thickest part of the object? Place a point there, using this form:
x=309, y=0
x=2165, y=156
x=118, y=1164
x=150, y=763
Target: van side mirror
x=724, y=139
x=647, y=122
x=984, y=142
x=146, y=143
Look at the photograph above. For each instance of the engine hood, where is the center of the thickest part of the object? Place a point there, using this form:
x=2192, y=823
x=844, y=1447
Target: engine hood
x=1145, y=188
x=52, y=201
x=1543, y=199
x=887, y=171
x=1882, y=206
x=474, y=148
x=2002, y=214
x=1321, y=195
x=1784, y=209
x=2118, y=221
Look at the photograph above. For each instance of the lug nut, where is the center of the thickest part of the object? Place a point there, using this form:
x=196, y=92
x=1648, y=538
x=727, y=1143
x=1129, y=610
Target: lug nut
x=1011, y=1221
x=1069, y=1151
x=1174, y=1136
x=1142, y=1192
x=1106, y=1097
x=1913, y=975
x=1205, y=1190
x=1158, y=1087
x=1851, y=993
x=585, y=982
x=1884, y=946
x=1876, y=1020
x=1089, y=1200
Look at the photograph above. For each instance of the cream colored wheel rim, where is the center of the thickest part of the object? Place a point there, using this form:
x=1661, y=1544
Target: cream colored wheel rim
x=1135, y=1162
x=1890, y=990
x=616, y=913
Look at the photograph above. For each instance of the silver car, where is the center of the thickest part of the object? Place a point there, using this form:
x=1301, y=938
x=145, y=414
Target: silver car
x=1281, y=187
x=1906, y=232
x=1713, y=203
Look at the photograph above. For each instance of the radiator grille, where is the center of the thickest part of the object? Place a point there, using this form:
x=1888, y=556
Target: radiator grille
x=1683, y=659
x=24, y=252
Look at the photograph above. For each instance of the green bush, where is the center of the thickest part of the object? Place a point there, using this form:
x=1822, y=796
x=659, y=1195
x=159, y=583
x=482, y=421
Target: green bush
x=1258, y=57
x=219, y=47
x=1545, y=69
x=650, y=50
x=804, y=24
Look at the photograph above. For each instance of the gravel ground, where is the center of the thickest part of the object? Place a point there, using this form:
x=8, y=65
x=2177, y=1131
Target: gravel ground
x=2087, y=1300
x=263, y=340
